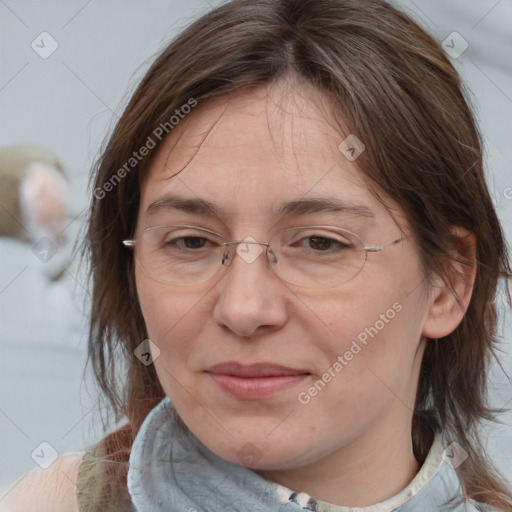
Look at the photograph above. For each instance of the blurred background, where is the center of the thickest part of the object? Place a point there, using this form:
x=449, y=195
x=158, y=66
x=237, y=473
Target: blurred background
x=66, y=70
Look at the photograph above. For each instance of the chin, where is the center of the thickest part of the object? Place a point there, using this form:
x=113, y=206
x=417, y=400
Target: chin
x=261, y=455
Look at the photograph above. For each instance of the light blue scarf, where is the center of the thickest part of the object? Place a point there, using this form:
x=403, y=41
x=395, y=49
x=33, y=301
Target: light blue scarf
x=172, y=471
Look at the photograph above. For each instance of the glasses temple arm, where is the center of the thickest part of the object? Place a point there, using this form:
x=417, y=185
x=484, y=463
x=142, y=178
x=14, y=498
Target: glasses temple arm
x=378, y=249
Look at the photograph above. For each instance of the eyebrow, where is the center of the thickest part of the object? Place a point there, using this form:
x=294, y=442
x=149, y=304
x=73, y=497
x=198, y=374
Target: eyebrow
x=291, y=208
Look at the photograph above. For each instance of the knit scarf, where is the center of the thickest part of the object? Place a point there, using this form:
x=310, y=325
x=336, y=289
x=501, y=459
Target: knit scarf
x=172, y=471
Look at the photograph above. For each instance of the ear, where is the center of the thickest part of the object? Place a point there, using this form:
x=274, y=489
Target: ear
x=445, y=309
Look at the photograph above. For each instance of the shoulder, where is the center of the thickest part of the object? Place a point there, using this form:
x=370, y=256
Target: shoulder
x=46, y=490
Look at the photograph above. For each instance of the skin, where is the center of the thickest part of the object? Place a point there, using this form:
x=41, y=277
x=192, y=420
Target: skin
x=351, y=444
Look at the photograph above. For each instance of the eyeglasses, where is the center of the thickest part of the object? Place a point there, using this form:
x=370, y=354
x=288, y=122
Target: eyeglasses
x=306, y=256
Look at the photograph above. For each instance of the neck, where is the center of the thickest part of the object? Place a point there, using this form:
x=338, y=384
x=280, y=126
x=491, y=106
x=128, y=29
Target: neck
x=373, y=468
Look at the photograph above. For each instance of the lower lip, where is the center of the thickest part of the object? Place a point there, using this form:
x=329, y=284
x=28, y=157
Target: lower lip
x=258, y=387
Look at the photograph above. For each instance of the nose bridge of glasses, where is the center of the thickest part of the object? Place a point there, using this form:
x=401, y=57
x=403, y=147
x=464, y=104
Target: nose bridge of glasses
x=248, y=249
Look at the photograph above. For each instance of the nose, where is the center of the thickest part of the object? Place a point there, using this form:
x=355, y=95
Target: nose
x=251, y=297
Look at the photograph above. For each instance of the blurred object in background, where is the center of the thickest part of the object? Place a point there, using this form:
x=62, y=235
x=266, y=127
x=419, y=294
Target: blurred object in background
x=43, y=196
x=32, y=191
x=42, y=310
x=35, y=201
x=38, y=278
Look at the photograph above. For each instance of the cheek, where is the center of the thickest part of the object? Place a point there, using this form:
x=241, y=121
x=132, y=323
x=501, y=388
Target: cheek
x=370, y=365
x=163, y=309
x=371, y=344
x=172, y=322
x=357, y=323
x=362, y=346
x=172, y=319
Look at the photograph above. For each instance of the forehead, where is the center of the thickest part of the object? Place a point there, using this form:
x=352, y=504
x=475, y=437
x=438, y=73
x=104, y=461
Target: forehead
x=250, y=153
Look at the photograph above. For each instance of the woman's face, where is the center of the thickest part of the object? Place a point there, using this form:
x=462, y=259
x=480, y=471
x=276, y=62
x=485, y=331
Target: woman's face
x=359, y=342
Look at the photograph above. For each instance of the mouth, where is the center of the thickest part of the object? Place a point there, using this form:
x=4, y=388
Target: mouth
x=256, y=381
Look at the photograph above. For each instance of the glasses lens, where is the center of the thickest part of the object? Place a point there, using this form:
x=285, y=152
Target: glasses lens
x=179, y=255
x=312, y=257
x=316, y=257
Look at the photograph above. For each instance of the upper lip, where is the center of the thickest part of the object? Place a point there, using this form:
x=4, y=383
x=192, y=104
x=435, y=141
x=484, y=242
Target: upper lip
x=254, y=370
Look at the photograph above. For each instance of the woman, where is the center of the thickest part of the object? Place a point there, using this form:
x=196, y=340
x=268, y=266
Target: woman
x=294, y=262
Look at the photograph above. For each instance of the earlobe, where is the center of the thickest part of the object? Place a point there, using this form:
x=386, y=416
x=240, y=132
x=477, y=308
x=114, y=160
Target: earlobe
x=450, y=297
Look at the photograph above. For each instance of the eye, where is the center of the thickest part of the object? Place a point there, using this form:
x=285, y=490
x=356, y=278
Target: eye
x=322, y=243
x=319, y=242
x=189, y=242
x=182, y=239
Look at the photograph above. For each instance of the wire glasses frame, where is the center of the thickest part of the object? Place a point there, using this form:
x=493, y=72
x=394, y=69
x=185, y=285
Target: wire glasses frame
x=320, y=274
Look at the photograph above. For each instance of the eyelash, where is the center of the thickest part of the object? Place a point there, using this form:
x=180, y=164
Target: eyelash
x=175, y=241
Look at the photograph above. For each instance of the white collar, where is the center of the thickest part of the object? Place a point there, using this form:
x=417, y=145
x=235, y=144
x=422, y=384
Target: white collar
x=432, y=465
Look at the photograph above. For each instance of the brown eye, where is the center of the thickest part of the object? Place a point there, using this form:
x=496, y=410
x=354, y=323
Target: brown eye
x=323, y=244
x=190, y=242
x=319, y=243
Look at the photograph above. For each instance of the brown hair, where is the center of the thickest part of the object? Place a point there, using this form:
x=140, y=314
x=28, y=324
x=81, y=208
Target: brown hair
x=391, y=84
